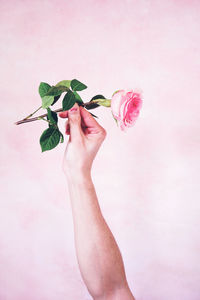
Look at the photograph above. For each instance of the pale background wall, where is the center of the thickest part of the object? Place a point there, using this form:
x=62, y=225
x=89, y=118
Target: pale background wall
x=146, y=179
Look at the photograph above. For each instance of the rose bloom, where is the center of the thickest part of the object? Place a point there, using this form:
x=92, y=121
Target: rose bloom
x=125, y=107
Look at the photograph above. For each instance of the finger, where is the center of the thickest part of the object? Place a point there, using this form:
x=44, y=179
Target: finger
x=63, y=114
x=89, y=121
x=74, y=119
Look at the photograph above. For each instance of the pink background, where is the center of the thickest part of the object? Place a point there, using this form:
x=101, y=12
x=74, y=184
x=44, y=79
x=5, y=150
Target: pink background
x=146, y=179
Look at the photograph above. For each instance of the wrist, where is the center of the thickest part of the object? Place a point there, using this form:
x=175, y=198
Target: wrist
x=78, y=176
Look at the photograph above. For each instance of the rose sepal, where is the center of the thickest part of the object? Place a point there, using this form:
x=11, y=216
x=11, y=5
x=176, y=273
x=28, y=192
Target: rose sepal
x=103, y=102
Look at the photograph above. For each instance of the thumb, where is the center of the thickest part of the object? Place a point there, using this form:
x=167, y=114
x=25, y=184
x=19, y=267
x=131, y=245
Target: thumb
x=74, y=119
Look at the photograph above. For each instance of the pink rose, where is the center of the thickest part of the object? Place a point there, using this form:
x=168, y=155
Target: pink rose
x=125, y=106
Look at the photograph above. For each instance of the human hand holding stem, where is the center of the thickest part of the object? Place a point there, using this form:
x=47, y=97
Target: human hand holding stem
x=85, y=137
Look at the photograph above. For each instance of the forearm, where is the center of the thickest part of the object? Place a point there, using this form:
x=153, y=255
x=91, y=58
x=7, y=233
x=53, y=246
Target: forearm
x=98, y=255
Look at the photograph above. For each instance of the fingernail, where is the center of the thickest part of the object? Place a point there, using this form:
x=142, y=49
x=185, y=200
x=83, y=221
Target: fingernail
x=73, y=109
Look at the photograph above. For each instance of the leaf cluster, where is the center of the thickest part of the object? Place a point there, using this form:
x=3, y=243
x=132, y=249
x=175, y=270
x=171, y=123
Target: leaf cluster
x=52, y=136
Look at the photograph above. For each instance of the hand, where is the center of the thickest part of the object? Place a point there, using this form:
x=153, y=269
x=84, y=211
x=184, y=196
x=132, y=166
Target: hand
x=85, y=139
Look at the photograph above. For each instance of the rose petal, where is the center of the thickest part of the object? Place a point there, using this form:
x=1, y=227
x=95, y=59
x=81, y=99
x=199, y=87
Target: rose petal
x=116, y=102
x=131, y=110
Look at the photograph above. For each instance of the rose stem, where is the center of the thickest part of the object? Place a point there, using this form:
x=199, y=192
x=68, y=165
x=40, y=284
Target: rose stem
x=32, y=113
x=27, y=119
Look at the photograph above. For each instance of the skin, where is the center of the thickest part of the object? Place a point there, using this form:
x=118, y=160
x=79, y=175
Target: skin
x=98, y=254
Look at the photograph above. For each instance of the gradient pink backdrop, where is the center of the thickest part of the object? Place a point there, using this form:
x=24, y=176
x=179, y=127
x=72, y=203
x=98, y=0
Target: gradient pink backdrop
x=146, y=179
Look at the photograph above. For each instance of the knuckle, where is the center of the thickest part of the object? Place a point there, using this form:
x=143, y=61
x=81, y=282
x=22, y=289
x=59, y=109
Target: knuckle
x=76, y=118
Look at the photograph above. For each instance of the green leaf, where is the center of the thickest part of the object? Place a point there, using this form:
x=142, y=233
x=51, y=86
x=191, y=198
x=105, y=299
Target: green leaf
x=50, y=138
x=55, y=99
x=47, y=101
x=52, y=116
x=94, y=115
x=94, y=105
x=77, y=85
x=56, y=90
x=98, y=97
x=43, y=88
x=68, y=101
x=77, y=97
x=66, y=83
x=61, y=137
